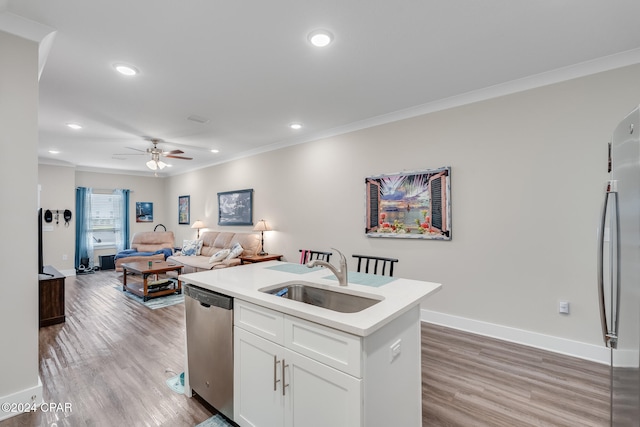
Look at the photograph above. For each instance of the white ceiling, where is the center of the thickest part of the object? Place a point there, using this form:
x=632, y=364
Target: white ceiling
x=247, y=66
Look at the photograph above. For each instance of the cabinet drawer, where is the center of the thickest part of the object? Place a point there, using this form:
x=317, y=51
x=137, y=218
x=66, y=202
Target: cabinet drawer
x=261, y=321
x=337, y=349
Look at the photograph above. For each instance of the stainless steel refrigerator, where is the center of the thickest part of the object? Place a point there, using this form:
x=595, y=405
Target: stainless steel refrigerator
x=619, y=270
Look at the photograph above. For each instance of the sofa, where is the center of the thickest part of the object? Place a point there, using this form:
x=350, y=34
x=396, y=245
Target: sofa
x=146, y=246
x=217, y=242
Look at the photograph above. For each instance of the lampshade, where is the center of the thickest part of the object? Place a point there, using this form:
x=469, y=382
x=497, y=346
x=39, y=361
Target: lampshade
x=198, y=224
x=153, y=164
x=262, y=226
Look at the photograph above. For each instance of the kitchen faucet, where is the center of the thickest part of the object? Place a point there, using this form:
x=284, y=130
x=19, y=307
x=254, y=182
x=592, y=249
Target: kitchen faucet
x=341, y=274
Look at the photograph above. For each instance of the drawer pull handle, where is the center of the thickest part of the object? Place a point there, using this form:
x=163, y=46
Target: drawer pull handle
x=284, y=386
x=275, y=372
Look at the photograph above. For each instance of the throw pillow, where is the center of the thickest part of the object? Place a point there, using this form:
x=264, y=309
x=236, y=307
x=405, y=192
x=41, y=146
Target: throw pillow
x=236, y=250
x=219, y=256
x=191, y=247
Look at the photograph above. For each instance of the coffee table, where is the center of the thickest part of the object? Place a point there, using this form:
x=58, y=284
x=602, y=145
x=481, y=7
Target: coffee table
x=155, y=288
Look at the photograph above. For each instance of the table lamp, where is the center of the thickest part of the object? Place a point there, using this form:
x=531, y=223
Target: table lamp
x=198, y=224
x=262, y=226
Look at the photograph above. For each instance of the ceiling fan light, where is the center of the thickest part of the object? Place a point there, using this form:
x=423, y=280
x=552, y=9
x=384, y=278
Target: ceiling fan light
x=161, y=164
x=152, y=165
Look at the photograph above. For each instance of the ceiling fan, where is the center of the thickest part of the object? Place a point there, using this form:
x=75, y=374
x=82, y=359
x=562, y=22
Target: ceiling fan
x=156, y=153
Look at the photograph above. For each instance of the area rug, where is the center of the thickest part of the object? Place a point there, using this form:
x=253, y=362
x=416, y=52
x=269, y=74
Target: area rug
x=176, y=383
x=215, y=421
x=154, y=303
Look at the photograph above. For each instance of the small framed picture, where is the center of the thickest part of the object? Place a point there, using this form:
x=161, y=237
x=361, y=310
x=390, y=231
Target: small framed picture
x=144, y=212
x=235, y=207
x=183, y=209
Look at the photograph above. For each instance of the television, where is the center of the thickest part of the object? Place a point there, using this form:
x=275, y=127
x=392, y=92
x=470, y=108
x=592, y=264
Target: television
x=40, y=256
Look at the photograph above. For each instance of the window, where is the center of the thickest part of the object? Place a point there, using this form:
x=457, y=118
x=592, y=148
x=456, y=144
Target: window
x=102, y=221
x=106, y=220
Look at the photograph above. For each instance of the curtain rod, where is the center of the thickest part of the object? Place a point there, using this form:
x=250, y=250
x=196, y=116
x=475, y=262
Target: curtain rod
x=110, y=190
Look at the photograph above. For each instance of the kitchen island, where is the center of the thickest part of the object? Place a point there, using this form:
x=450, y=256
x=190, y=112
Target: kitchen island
x=297, y=364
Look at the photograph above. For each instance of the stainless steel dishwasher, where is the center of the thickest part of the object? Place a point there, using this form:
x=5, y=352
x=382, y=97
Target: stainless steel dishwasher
x=209, y=320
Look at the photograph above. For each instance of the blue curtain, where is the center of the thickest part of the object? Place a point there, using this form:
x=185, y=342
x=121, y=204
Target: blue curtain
x=84, y=234
x=122, y=230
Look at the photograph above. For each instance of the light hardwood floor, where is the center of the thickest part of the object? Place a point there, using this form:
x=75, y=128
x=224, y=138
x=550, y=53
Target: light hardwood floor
x=469, y=380
x=109, y=361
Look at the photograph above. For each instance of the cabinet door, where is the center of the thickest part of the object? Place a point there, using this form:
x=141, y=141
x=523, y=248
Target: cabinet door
x=257, y=371
x=317, y=395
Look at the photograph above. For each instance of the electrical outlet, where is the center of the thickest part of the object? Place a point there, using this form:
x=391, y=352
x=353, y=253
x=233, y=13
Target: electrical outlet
x=563, y=307
x=64, y=257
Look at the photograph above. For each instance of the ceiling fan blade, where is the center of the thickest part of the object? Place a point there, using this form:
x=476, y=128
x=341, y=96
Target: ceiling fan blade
x=164, y=153
x=136, y=149
x=178, y=157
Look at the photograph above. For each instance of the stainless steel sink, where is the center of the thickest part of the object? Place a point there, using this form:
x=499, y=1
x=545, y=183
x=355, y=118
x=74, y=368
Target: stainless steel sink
x=310, y=293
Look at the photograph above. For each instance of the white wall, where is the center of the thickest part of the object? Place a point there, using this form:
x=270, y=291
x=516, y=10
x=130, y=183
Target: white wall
x=58, y=185
x=528, y=170
x=57, y=193
x=18, y=253
x=143, y=189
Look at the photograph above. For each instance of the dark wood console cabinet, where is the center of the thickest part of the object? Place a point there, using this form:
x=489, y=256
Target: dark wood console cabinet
x=51, y=296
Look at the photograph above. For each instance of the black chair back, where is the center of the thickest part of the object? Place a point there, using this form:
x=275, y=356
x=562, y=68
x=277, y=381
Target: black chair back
x=375, y=262
x=307, y=255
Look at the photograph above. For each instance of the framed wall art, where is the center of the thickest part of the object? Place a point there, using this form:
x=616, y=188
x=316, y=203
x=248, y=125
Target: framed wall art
x=235, y=207
x=409, y=205
x=184, y=209
x=144, y=212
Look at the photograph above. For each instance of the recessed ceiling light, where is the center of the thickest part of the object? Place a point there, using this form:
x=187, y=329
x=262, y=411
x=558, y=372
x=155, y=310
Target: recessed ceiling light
x=74, y=126
x=215, y=151
x=127, y=70
x=54, y=152
x=320, y=38
x=295, y=126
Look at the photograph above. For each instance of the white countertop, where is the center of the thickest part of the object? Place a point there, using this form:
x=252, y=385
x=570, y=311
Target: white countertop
x=242, y=282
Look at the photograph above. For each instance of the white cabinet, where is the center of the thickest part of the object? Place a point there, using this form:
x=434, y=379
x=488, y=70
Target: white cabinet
x=294, y=373
x=257, y=396
x=319, y=396
x=279, y=387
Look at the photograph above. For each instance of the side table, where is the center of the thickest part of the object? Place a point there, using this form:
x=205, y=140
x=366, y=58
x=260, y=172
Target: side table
x=250, y=259
x=51, y=297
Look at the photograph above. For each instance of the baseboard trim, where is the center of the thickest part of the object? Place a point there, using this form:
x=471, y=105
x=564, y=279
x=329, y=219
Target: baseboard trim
x=29, y=396
x=595, y=353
